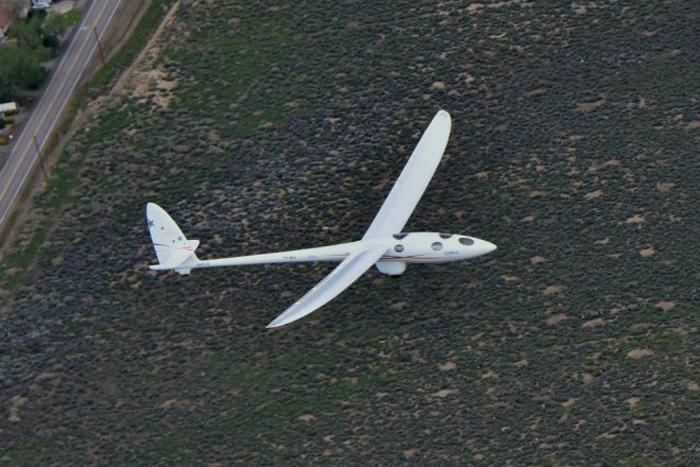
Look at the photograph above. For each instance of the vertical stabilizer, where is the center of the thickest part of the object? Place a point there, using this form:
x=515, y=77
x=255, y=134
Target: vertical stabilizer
x=173, y=249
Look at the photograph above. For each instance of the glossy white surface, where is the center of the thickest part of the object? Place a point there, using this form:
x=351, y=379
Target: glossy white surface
x=381, y=245
x=414, y=179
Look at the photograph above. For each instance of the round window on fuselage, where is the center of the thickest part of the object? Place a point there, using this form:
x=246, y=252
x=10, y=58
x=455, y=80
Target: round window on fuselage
x=437, y=246
x=445, y=236
x=466, y=241
x=398, y=248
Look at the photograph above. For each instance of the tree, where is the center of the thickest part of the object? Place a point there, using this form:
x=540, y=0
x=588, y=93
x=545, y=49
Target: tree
x=54, y=25
x=19, y=70
x=28, y=32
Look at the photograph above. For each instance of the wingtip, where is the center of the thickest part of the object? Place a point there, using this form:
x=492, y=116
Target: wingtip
x=443, y=113
x=275, y=324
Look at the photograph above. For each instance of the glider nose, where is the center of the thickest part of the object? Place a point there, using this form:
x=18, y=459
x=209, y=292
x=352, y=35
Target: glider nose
x=487, y=247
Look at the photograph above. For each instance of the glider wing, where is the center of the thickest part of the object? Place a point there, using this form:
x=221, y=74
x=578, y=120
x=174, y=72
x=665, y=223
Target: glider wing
x=414, y=179
x=340, y=279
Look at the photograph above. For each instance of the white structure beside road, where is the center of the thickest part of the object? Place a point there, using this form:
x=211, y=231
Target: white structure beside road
x=8, y=107
x=41, y=4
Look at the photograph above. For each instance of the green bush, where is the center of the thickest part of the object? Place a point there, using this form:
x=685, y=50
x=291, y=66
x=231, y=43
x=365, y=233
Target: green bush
x=19, y=70
x=28, y=31
x=9, y=121
x=10, y=113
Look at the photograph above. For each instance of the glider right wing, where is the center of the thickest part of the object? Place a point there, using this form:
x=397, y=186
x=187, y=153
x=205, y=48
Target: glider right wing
x=414, y=179
x=340, y=279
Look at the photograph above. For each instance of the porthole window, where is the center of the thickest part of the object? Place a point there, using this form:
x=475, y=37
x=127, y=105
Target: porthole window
x=400, y=236
x=445, y=236
x=437, y=246
x=466, y=241
x=398, y=248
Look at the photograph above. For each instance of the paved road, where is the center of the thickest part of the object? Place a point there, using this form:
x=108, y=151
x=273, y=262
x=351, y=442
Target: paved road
x=53, y=101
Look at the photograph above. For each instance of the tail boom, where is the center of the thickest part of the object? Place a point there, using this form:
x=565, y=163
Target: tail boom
x=176, y=252
x=327, y=253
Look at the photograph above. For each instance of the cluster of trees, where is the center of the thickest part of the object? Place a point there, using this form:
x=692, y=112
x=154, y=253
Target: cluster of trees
x=36, y=41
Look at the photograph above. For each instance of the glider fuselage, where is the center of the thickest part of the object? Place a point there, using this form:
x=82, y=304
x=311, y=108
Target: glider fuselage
x=415, y=247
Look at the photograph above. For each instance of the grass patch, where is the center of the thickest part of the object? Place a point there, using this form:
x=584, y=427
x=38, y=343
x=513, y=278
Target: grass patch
x=36, y=452
x=668, y=340
x=71, y=17
x=20, y=262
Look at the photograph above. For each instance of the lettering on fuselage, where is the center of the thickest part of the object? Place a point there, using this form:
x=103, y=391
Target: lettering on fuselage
x=451, y=253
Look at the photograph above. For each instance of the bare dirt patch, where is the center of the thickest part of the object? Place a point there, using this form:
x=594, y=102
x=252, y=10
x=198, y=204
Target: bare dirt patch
x=639, y=353
x=63, y=7
x=647, y=251
x=556, y=319
x=594, y=322
x=445, y=392
x=15, y=403
x=590, y=106
x=141, y=73
x=553, y=289
x=152, y=83
x=594, y=194
x=569, y=402
x=5, y=16
x=664, y=187
x=144, y=80
x=447, y=366
x=666, y=305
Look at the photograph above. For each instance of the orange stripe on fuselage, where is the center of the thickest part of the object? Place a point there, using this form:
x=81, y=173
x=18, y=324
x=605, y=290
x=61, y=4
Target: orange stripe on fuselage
x=410, y=257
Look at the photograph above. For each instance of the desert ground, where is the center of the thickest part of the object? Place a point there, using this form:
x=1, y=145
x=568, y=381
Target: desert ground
x=265, y=126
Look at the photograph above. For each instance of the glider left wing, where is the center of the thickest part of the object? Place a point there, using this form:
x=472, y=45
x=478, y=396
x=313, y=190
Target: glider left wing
x=414, y=179
x=332, y=285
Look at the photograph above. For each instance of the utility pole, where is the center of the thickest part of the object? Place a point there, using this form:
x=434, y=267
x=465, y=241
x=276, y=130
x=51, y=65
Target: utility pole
x=99, y=45
x=41, y=160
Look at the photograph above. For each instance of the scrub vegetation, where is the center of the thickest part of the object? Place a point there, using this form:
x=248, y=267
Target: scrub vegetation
x=272, y=125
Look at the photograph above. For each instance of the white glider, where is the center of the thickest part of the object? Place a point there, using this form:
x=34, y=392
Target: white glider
x=382, y=244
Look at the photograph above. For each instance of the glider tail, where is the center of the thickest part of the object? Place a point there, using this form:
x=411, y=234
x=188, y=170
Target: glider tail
x=173, y=250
